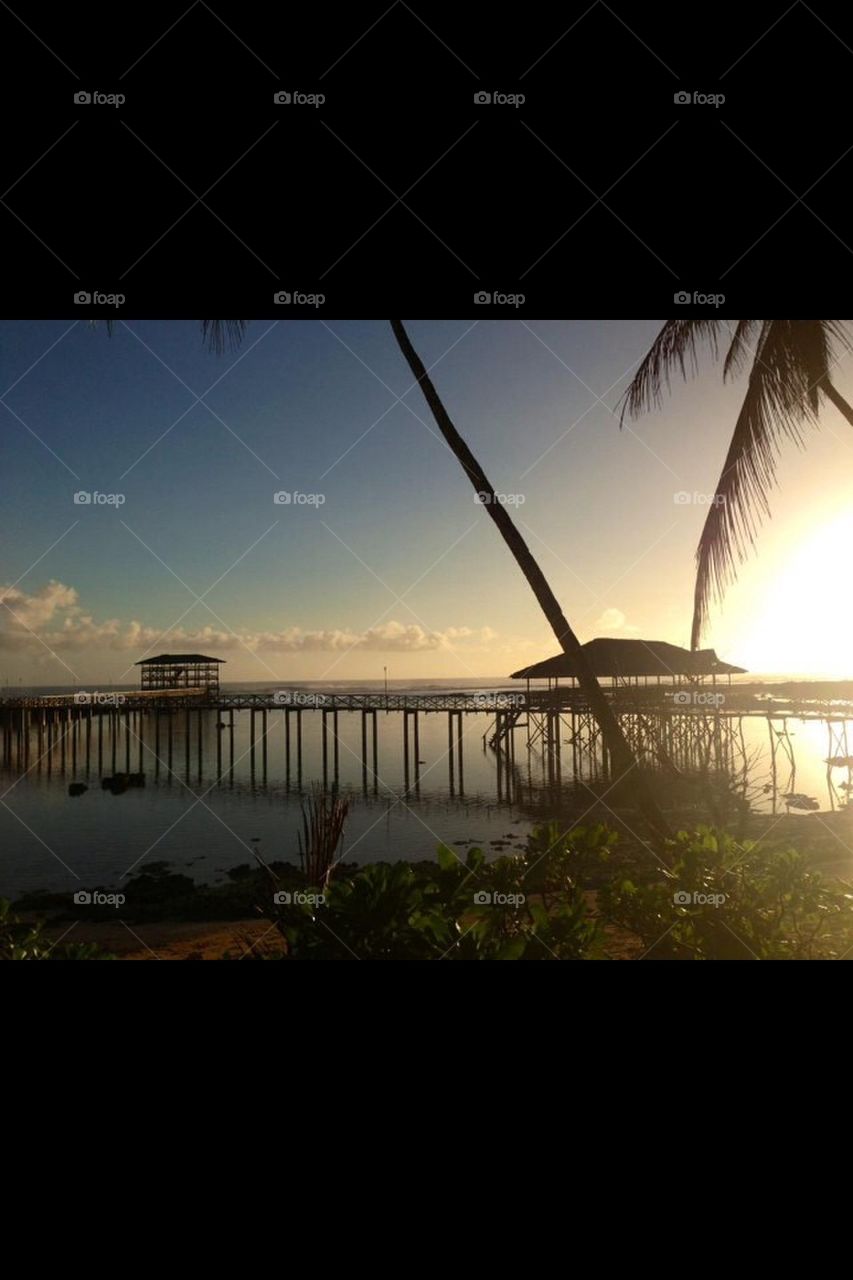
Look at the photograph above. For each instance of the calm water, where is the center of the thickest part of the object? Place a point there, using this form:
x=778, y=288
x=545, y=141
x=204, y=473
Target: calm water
x=203, y=825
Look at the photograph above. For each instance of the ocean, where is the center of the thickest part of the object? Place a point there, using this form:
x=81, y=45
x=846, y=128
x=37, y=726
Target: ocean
x=204, y=824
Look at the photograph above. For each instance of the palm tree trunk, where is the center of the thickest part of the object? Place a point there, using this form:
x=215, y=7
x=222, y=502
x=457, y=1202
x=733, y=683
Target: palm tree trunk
x=838, y=400
x=624, y=760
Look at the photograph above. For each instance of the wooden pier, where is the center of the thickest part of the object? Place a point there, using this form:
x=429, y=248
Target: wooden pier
x=176, y=734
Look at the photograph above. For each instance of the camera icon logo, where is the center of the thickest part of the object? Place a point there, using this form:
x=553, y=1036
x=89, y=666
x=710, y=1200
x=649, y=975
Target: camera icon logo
x=82, y=498
x=482, y=97
x=282, y=498
x=82, y=897
x=682, y=899
x=282, y=98
x=681, y=98
x=82, y=299
x=681, y=699
x=282, y=299
x=282, y=899
x=482, y=298
x=82, y=96
x=682, y=298
x=483, y=898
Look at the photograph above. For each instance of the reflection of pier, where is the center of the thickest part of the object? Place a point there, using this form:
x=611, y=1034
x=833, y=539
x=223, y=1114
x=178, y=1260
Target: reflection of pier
x=538, y=737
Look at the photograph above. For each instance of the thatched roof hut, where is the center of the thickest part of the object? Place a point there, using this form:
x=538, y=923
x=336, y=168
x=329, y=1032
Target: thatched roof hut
x=625, y=660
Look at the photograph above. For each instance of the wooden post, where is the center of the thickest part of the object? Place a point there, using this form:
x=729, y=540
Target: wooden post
x=375, y=757
x=364, y=750
x=406, y=749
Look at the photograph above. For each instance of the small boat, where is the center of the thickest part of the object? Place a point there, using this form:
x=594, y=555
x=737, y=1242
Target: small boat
x=77, y=788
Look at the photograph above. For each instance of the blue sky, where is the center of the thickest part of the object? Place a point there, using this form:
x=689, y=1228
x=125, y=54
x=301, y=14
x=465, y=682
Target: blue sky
x=304, y=403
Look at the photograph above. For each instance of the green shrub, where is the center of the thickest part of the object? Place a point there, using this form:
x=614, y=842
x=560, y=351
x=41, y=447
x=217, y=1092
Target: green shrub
x=22, y=941
x=726, y=900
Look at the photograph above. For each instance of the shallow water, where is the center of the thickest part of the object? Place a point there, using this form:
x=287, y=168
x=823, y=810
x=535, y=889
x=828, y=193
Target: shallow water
x=203, y=824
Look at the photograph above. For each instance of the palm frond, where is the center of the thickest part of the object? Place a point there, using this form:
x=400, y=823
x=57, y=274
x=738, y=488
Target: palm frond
x=792, y=357
x=223, y=334
x=676, y=348
x=744, y=340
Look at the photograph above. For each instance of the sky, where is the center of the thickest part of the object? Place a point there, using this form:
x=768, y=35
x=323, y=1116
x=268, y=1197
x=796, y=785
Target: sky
x=383, y=557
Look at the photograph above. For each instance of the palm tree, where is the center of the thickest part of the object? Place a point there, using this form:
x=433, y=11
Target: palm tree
x=791, y=362
x=222, y=333
x=624, y=760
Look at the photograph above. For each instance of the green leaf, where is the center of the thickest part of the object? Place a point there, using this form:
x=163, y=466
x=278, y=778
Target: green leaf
x=446, y=858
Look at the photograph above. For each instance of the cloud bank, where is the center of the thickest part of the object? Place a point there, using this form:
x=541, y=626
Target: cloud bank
x=53, y=617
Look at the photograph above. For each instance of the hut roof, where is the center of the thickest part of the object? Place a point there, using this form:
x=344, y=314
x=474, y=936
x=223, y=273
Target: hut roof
x=611, y=657
x=176, y=659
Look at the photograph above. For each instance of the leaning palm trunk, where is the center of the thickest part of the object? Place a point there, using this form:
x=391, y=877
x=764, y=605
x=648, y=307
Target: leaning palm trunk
x=624, y=760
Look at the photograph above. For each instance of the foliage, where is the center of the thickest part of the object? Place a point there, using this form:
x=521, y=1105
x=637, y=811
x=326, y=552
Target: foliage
x=529, y=907
x=20, y=940
x=566, y=897
x=725, y=900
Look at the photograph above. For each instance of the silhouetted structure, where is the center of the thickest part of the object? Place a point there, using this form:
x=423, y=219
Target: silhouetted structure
x=629, y=661
x=181, y=671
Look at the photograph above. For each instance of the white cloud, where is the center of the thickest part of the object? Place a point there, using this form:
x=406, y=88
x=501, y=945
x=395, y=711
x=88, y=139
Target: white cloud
x=53, y=614
x=613, y=621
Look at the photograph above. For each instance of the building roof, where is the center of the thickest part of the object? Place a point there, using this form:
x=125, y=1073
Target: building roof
x=176, y=659
x=623, y=658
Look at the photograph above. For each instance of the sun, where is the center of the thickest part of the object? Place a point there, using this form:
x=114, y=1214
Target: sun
x=801, y=622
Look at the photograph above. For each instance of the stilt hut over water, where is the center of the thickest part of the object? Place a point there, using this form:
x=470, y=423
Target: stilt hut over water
x=630, y=662
x=181, y=671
